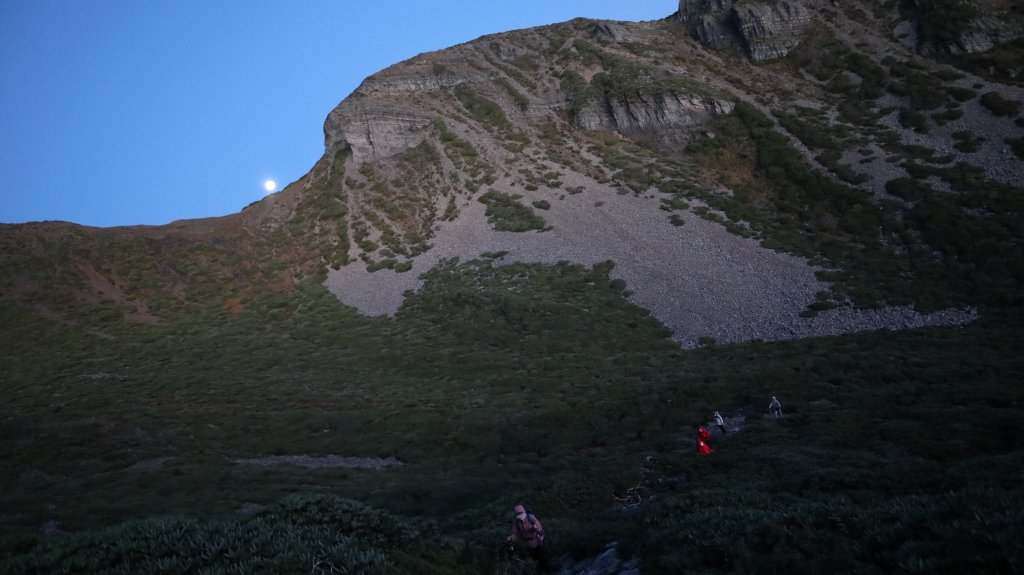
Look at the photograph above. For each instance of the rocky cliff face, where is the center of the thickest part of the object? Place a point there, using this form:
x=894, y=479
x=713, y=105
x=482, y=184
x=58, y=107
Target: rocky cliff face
x=639, y=112
x=393, y=110
x=770, y=30
x=711, y=21
x=982, y=35
x=767, y=30
x=383, y=116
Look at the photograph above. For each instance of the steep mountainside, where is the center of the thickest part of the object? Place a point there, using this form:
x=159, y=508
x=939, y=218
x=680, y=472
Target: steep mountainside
x=522, y=232
x=603, y=124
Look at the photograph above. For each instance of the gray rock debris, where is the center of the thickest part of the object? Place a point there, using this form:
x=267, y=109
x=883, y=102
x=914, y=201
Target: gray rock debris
x=607, y=562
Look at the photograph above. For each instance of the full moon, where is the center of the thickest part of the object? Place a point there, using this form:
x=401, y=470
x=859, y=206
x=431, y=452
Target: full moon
x=270, y=185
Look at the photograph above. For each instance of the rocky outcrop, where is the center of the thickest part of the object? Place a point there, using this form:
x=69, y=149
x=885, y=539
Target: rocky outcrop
x=710, y=21
x=770, y=30
x=640, y=112
x=964, y=26
x=373, y=129
x=982, y=35
x=386, y=114
x=767, y=30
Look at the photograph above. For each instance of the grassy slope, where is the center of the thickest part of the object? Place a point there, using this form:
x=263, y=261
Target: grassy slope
x=897, y=445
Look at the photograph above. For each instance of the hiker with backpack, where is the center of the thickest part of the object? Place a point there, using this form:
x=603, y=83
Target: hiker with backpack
x=526, y=527
x=720, y=423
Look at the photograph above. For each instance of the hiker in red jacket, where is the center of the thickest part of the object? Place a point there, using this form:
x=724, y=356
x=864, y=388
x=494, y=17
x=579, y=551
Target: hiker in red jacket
x=526, y=527
x=703, y=435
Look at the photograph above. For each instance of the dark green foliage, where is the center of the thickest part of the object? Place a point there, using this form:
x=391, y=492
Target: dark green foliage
x=520, y=100
x=327, y=208
x=674, y=203
x=1017, y=145
x=924, y=91
x=506, y=214
x=541, y=204
x=854, y=78
x=999, y=64
x=620, y=79
x=1000, y=106
x=512, y=72
x=946, y=116
x=491, y=116
x=562, y=391
x=574, y=87
x=317, y=534
x=527, y=62
x=908, y=189
x=386, y=263
x=483, y=110
x=806, y=213
x=815, y=133
x=966, y=142
x=830, y=159
x=960, y=94
x=913, y=119
x=939, y=22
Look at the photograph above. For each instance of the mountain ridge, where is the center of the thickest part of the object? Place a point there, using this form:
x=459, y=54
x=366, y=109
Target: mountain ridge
x=491, y=103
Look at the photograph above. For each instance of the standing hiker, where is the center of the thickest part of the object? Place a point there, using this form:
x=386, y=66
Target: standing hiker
x=703, y=435
x=526, y=527
x=720, y=422
x=775, y=408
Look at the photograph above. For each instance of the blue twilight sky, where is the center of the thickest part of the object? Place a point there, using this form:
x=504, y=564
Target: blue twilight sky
x=118, y=112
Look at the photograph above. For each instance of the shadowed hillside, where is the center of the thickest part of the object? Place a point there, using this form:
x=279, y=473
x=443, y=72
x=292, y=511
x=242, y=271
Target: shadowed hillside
x=525, y=269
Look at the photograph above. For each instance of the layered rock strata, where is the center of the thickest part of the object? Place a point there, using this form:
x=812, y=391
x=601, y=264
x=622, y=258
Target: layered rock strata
x=771, y=30
x=640, y=112
x=767, y=30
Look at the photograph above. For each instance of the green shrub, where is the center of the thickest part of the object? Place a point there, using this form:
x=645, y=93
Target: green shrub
x=321, y=533
x=1017, y=145
x=387, y=263
x=912, y=119
x=966, y=142
x=1000, y=106
x=506, y=214
x=961, y=94
x=483, y=110
x=907, y=188
x=947, y=116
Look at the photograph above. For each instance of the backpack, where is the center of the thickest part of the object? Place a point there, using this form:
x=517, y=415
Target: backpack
x=532, y=519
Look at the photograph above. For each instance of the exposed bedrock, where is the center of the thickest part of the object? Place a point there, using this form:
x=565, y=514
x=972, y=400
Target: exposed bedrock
x=640, y=112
